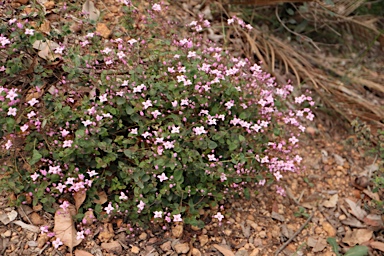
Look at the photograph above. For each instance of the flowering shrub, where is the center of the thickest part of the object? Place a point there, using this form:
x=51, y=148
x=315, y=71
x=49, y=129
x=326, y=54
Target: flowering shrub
x=163, y=125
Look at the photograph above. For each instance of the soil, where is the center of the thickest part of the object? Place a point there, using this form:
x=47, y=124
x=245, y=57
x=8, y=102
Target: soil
x=331, y=197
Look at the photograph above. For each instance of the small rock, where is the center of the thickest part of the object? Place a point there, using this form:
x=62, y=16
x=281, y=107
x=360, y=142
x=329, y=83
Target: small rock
x=37, y=207
x=112, y=247
x=177, y=231
x=36, y=219
x=320, y=245
x=196, y=252
x=263, y=234
x=252, y=224
x=255, y=252
x=135, y=249
x=331, y=231
x=103, y=30
x=49, y=5
x=42, y=240
x=32, y=243
x=311, y=130
x=143, y=236
x=242, y=252
x=227, y=232
x=225, y=251
x=203, y=239
x=7, y=233
x=195, y=228
x=339, y=160
x=166, y=246
x=182, y=248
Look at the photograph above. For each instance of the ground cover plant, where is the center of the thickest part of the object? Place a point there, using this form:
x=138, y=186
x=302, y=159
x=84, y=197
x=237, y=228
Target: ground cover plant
x=147, y=125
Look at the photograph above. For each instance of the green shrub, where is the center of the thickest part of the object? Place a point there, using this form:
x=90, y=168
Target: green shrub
x=163, y=125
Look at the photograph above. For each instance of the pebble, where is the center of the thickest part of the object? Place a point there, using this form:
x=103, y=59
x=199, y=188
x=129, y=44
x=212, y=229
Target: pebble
x=262, y=234
x=255, y=252
x=225, y=251
x=331, y=231
x=7, y=233
x=195, y=252
x=143, y=236
x=182, y=248
x=113, y=247
x=203, y=239
x=166, y=246
x=135, y=249
x=103, y=30
x=177, y=231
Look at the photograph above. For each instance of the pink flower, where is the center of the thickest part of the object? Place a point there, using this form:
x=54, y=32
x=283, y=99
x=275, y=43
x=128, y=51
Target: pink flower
x=156, y=7
x=67, y=143
x=147, y=104
x=141, y=206
x=92, y=173
x=229, y=104
x=162, y=177
x=278, y=175
x=12, y=111
x=156, y=113
x=11, y=95
x=35, y=176
x=199, y=130
x=87, y=122
x=177, y=218
x=29, y=31
x=132, y=41
x=175, y=129
x=109, y=208
x=218, y=216
x=61, y=187
x=8, y=145
x=103, y=98
x=64, y=133
x=64, y=205
x=168, y=144
x=123, y=196
x=212, y=158
x=57, y=243
x=146, y=134
x=44, y=229
x=158, y=214
x=80, y=235
x=33, y=101
x=24, y=127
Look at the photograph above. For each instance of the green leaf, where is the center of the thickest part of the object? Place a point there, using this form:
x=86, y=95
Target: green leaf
x=335, y=246
x=129, y=110
x=212, y=144
x=290, y=11
x=120, y=101
x=35, y=157
x=178, y=175
x=359, y=250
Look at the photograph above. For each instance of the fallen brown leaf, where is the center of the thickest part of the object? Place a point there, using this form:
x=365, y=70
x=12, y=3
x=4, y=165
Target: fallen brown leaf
x=89, y=7
x=82, y=253
x=65, y=227
x=79, y=197
x=377, y=245
x=357, y=236
x=332, y=201
x=102, y=198
x=356, y=210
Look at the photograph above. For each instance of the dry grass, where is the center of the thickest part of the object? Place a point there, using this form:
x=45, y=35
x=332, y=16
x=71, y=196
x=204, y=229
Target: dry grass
x=352, y=91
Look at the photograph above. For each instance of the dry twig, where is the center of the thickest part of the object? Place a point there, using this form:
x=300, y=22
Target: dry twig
x=295, y=234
